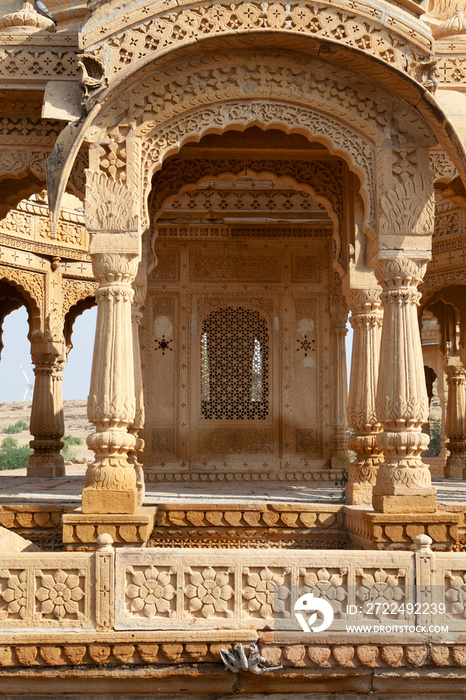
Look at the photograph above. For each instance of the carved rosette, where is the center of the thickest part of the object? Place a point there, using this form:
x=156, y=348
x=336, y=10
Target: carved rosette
x=47, y=423
x=366, y=320
x=403, y=481
x=455, y=427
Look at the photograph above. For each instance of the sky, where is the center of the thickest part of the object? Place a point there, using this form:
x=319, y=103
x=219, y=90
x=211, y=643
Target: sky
x=77, y=373
x=16, y=352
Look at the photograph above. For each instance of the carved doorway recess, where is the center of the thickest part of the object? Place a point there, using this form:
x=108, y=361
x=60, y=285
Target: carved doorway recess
x=236, y=339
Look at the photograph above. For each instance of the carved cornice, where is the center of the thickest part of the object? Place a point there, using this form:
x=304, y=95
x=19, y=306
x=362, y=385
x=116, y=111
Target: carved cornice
x=374, y=29
x=36, y=64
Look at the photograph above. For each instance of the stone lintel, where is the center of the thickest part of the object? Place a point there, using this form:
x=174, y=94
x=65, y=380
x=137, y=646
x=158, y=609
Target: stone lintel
x=370, y=530
x=80, y=530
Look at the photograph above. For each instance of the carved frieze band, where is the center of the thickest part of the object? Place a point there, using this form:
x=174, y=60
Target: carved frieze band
x=185, y=25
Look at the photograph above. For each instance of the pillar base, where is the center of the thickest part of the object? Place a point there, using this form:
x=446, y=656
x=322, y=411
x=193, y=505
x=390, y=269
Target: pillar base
x=455, y=466
x=358, y=494
x=46, y=466
x=341, y=461
x=369, y=530
x=406, y=503
x=109, y=501
x=81, y=530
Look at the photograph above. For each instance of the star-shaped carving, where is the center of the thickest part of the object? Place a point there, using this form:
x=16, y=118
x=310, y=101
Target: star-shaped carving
x=163, y=345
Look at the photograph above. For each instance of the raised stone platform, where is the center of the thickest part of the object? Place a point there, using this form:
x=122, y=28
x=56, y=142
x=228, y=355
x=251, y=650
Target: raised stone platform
x=241, y=515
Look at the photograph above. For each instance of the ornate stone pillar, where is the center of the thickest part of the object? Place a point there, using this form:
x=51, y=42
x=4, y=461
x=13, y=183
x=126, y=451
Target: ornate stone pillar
x=455, y=428
x=403, y=482
x=113, y=224
x=47, y=424
x=442, y=392
x=366, y=320
x=340, y=455
x=138, y=423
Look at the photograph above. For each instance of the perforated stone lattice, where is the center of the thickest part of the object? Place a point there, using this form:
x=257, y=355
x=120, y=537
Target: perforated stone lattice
x=234, y=365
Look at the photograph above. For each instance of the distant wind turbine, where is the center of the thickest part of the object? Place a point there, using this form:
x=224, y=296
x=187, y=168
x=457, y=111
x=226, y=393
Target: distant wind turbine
x=29, y=388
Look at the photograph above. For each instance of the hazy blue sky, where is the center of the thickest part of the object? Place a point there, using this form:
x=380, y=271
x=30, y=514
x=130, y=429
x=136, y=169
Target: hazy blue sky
x=77, y=374
x=16, y=352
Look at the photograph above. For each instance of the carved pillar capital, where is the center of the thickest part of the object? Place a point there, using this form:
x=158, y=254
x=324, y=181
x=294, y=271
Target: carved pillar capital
x=401, y=272
x=403, y=482
x=364, y=302
x=140, y=291
x=456, y=374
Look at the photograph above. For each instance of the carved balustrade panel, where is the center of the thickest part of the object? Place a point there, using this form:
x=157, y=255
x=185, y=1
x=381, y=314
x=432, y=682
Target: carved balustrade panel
x=180, y=589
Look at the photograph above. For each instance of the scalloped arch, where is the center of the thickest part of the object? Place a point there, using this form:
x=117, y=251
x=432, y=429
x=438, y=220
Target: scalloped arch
x=259, y=175
x=348, y=144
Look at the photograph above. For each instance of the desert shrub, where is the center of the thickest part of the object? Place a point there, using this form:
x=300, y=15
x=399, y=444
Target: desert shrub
x=69, y=441
x=12, y=456
x=17, y=427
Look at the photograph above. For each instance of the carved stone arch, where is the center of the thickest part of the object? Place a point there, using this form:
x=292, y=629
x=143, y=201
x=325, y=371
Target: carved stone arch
x=30, y=285
x=214, y=304
x=340, y=140
x=14, y=293
x=450, y=294
x=78, y=296
x=72, y=314
x=15, y=189
x=182, y=177
x=367, y=31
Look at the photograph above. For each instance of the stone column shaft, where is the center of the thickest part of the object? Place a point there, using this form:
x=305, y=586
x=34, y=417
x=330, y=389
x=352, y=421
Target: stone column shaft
x=138, y=423
x=47, y=424
x=366, y=320
x=455, y=426
x=403, y=482
x=340, y=456
x=111, y=479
